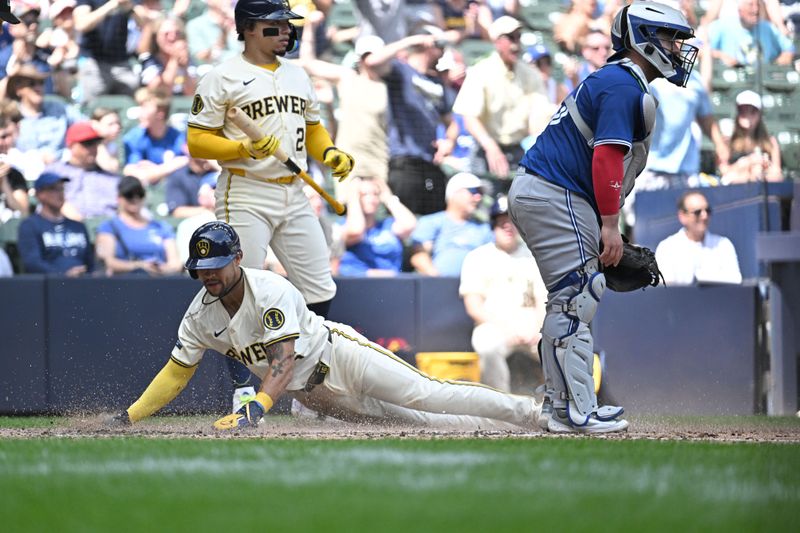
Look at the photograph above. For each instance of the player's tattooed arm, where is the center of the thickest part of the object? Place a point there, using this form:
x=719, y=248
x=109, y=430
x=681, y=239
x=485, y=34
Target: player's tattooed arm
x=281, y=369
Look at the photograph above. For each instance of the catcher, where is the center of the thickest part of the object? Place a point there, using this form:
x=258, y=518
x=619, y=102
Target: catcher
x=261, y=320
x=567, y=194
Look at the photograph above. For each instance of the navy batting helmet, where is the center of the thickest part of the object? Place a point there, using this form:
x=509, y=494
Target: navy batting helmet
x=247, y=10
x=213, y=245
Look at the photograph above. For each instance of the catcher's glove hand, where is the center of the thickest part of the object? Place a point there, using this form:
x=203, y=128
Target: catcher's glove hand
x=249, y=415
x=636, y=270
x=340, y=162
x=262, y=148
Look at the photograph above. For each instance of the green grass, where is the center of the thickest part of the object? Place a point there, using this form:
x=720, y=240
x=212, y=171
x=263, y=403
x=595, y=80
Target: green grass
x=248, y=485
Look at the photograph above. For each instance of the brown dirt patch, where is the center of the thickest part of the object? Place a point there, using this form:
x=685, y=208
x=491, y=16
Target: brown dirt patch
x=734, y=429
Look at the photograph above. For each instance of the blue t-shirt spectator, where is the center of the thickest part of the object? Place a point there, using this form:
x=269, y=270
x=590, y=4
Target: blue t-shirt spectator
x=48, y=247
x=145, y=244
x=675, y=147
x=183, y=186
x=380, y=249
x=732, y=38
x=451, y=239
x=141, y=146
x=46, y=132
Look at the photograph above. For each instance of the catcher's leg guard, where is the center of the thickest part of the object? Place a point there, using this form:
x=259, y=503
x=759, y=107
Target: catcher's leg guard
x=568, y=358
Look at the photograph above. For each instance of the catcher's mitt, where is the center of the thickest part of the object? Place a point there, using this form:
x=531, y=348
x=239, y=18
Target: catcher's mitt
x=636, y=270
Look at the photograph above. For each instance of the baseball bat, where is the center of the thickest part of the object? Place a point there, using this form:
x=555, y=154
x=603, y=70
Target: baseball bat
x=251, y=129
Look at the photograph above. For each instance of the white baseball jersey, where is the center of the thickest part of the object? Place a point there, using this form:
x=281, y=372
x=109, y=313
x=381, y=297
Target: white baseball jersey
x=266, y=213
x=280, y=103
x=272, y=311
x=363, y=378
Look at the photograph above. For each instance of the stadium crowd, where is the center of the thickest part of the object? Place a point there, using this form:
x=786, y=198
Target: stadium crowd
x=94, y=98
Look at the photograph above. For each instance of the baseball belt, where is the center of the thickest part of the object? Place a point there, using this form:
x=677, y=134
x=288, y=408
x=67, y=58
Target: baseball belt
x=283, y=180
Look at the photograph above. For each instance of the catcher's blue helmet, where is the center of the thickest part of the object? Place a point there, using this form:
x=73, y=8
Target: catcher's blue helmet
x=213, y=245
x=247, y=10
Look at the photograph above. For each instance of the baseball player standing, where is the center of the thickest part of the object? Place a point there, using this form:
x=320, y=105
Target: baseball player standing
x=260, y=319
x=255, y=193
x=566, y=197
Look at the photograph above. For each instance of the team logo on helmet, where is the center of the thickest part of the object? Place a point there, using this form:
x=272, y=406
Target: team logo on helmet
x=197, y=104
x=273, y=318
x=203, y=247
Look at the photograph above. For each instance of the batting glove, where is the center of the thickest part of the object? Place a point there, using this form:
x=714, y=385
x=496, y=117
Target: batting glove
x=262, y=148
x=340, y=162
x=249, y=415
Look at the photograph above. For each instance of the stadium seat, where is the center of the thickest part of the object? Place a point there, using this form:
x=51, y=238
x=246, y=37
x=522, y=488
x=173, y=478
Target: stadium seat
x=342, y=15
x=540, y=14
x=474, y=50
x=781, y=78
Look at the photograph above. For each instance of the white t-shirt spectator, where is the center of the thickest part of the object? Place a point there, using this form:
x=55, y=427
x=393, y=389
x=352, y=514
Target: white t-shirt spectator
x=685, y=262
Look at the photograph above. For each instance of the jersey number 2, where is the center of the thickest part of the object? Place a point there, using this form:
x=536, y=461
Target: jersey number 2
x=301, y=138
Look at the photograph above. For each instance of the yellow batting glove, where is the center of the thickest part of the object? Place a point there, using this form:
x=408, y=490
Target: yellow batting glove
x=249, y=415
x=264, y=147
x=341, y=163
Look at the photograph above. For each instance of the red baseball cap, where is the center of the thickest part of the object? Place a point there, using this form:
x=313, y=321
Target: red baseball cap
x=81, y=132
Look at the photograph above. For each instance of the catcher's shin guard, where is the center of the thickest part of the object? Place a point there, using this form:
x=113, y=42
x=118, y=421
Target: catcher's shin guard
x=568, y=361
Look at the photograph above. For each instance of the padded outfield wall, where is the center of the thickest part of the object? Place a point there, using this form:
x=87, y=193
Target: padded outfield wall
x=90, y=344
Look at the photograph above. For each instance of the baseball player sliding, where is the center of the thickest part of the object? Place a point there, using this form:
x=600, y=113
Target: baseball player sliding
x=256, y=193
x=567, y=193
x=259, y=319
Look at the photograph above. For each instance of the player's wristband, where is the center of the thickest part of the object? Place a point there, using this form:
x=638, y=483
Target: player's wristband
x=328, y=149
x=264, y=399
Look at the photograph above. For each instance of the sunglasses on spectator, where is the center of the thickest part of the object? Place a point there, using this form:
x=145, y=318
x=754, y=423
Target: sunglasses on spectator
x=133, y=196
x=513, y=37
x=698, y=212
x=91, y=143
x=474, y=190
x=30, y=20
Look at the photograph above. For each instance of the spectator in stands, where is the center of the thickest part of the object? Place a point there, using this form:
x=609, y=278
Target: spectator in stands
x=104, y=67
x=419, y=100
x=540, y=56
x=742, y=40
x=693, y=254
x=91, y=191
x=721, y=9
x=363, y=102
x=442, y=240
x=106, y=122
x=6, y=268
x=23, y=49
x=154, y=149
x=595, y=50
x=14, y=201
x=504, y=295
x=212, y=35
x=755, y=155
x=374, y=246
x=166, y=65
x=496, y=99
x=571, y=29
x=131, y=242
x=44, y=122
x=205, y=213
x=183, y=186
x=682, y=113
x=62, y=39
x=50, y=243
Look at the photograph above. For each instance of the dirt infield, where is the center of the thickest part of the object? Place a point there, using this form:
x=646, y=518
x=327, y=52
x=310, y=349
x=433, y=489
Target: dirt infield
x=718, y=429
